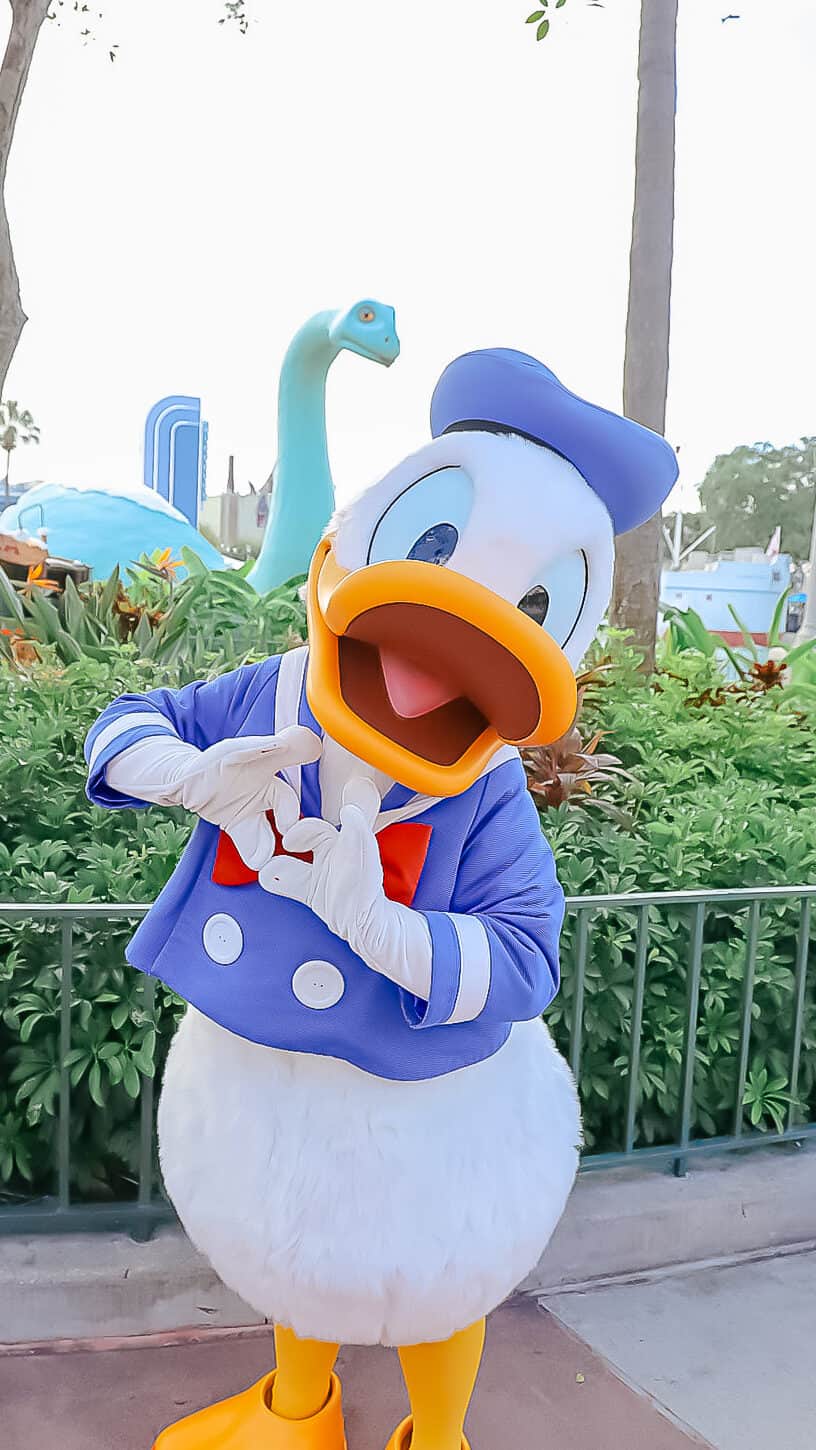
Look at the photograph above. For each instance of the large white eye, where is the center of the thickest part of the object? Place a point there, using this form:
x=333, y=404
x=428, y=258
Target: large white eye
x=556, y=599
x=424, y=522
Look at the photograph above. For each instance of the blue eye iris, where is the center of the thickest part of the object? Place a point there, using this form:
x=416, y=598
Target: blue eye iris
x=436, y=545
x=425, y=521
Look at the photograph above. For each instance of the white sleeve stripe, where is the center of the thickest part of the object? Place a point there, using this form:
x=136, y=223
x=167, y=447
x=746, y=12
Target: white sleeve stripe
x=121, y=725
x=288, y=693
x=474, y=968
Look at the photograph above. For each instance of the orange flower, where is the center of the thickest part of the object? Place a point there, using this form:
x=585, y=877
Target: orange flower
x=36, y=579
x=166, y=564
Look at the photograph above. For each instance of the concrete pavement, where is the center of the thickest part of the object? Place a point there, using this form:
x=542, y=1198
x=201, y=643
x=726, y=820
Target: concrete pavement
x=732, y=1351
x=540, y=1389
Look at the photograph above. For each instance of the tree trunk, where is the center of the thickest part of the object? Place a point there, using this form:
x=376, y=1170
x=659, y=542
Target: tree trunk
x=635, y=593
x=26, y=21
x=807, y=629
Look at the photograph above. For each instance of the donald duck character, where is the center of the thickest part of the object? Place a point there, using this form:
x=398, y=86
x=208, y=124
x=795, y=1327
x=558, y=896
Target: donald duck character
x=364, y=1124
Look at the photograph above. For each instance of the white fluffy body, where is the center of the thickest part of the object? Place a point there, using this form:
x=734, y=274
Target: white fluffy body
x=358, y=1209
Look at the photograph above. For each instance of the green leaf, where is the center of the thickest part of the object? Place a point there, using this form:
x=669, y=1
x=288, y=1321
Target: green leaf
x=731, y=656
x=69, y=649
x=116, y=1070
x=95, y=1085
x=542, y=29
x=142, y=634
x=23, y=1160
x=131, y=1082
x=43, y=613
x=799, y=651
x=44, y=1093
x=193, y=563
x=689, y=630
x=143, y=1062
x=110, y=593
x=776, y=1114
x=536, y=15
x=29, y=1025
x=9, y=598
x=74, y=610
x=746, y=633
x=776, y=621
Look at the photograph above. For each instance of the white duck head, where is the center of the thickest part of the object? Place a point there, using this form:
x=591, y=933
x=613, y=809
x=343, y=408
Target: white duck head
x=450, y=604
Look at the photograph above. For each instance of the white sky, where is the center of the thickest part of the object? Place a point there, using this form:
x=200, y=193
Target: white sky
x=178, y=214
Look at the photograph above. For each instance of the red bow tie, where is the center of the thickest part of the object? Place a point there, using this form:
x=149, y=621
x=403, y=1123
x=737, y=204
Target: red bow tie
x=403, y=848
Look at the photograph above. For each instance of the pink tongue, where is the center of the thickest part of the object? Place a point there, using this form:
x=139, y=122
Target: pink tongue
x=410, y=689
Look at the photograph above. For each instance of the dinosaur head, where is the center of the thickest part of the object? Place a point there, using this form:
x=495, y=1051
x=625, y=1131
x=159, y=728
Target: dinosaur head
x=368, y=328
x=451, y=602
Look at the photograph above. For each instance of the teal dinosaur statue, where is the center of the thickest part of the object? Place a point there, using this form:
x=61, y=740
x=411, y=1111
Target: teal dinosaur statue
x=303, y=493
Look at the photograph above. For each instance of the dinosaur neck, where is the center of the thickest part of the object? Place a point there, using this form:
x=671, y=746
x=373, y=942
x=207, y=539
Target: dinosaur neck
x=303, y=494
x=304, y=480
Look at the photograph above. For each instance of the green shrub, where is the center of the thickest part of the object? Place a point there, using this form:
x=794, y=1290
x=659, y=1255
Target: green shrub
x=55, y=847
x=779, y=666
x=214, y=618
x=721, y=792
x=724, y=795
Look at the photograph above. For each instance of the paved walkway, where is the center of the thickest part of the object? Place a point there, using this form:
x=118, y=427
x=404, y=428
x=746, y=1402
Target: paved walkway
x=731, y=1350
x=540, y=1388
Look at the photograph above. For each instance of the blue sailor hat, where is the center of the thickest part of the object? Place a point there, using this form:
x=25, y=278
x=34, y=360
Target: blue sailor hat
x=630, y=468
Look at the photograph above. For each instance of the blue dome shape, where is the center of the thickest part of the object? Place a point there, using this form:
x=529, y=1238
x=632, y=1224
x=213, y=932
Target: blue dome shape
x=631, y=469
x=104, y=528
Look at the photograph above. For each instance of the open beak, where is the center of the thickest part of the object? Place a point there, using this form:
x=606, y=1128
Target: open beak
x=424, y=673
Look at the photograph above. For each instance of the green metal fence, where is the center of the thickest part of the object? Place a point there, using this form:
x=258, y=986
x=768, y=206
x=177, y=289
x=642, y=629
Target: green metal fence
x=148, y=1208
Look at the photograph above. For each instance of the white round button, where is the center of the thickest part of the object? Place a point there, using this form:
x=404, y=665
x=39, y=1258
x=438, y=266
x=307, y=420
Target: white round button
x=318, y=984
x=223, y=939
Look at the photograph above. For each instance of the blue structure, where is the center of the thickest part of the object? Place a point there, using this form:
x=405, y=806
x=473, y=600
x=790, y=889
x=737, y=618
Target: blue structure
x=101, y=528
x=752, y=586
x=175, y=453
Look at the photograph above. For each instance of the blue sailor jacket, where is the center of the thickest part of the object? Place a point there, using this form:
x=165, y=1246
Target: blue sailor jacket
x=270, y=970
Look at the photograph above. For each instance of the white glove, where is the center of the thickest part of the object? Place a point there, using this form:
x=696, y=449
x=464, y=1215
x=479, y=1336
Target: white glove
x=344, y=887
x=231, y=784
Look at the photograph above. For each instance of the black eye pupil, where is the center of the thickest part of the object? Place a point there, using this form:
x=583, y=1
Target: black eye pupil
x=535, y=603
x=436, y=545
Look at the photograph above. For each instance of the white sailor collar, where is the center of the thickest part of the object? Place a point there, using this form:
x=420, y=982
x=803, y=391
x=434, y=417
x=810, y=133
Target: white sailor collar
x=292, y=708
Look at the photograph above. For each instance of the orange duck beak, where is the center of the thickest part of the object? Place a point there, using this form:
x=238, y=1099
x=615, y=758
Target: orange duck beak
x=424, y=673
